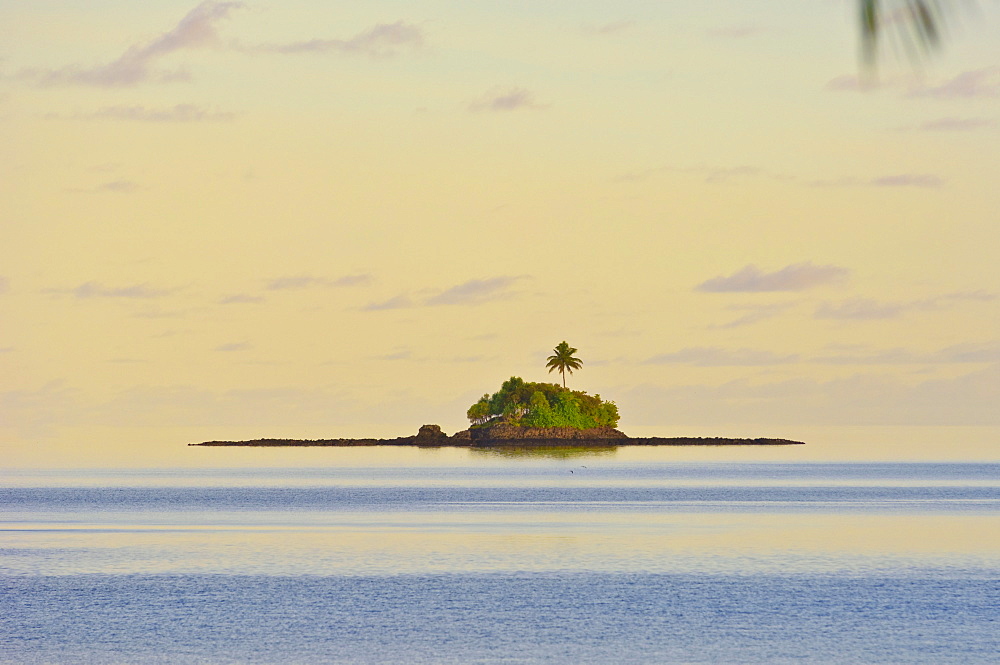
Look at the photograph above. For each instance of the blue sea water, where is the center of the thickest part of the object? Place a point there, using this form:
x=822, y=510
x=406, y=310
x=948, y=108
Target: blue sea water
x=578, y=559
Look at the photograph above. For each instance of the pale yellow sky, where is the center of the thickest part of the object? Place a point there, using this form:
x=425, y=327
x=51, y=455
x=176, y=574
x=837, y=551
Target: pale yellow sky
x=302, y=219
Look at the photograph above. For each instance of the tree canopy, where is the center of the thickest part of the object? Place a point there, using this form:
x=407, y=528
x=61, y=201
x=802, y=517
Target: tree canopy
x=528, y=404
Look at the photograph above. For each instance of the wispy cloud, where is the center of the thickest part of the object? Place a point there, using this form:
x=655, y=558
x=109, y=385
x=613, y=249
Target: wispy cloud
x=4, y=285
x=920, y=180
x=796, y=277
x=713, y=356
x=908, y=180
x=865, y=309
x=198, y=29
x=510, y=99
x=241, y=298
x=118, y=187
x=972, y=84
x=138, y=63
x=178, y=113
x=476, y=291
x=731, y=175
x=472, y=292
x=956, y=354
x=382, y=40
x=956, y=124
x=868, y=309
x=611, y=28
x=89, y=290
x=397, y=302
x=308, y=281
x=753, y=314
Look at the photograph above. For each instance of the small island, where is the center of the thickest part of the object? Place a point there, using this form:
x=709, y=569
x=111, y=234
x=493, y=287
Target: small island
x=526, y=414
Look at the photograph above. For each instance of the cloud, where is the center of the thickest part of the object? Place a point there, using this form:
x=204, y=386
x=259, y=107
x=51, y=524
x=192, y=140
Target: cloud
x=956, y=354
x=754, y=314
x=178, y=113
x=612, y=28
x=796, y=277
x=397, y=302
x=956, y=124
x=476, y=291
x=4, y=285
x=908, y=180
x=706, y=356
x=90, y=290
x=864, y=309
x=940, y=302
x=118, y=187
x=233, y=346
x=308, y=281
x=382, y=40
x=302, y=282
x=721, y=175
x=353, y=280
x=241, y=298
x=472, y=292
x=973, y=84
x=867, y=309
x=137, y=64
x=925, y=180
x=505, y=100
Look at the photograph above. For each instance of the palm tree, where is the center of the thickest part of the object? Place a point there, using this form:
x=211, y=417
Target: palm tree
x=562, y=359
x=917, y=25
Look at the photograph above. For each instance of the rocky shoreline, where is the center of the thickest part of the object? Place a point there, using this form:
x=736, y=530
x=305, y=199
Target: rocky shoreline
x=431, y=436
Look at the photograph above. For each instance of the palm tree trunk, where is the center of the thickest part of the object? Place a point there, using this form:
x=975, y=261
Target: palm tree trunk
x=563, y=372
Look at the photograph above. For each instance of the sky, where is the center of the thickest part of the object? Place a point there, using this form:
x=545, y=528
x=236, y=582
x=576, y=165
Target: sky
x=312, y=219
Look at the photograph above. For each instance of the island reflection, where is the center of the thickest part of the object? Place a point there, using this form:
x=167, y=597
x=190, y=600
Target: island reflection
x=551, y=452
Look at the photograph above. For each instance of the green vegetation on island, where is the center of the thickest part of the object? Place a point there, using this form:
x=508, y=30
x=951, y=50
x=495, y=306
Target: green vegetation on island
x=529, y=404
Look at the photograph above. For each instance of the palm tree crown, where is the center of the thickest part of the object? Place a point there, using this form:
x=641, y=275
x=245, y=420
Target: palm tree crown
x=916, y=25
x=562, y=359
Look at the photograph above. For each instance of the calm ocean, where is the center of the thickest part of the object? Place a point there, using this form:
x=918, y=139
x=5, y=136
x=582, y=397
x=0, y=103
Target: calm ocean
x=473, y=557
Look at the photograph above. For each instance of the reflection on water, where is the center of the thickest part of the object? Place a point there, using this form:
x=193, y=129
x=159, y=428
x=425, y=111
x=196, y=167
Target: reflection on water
x=550, y=452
